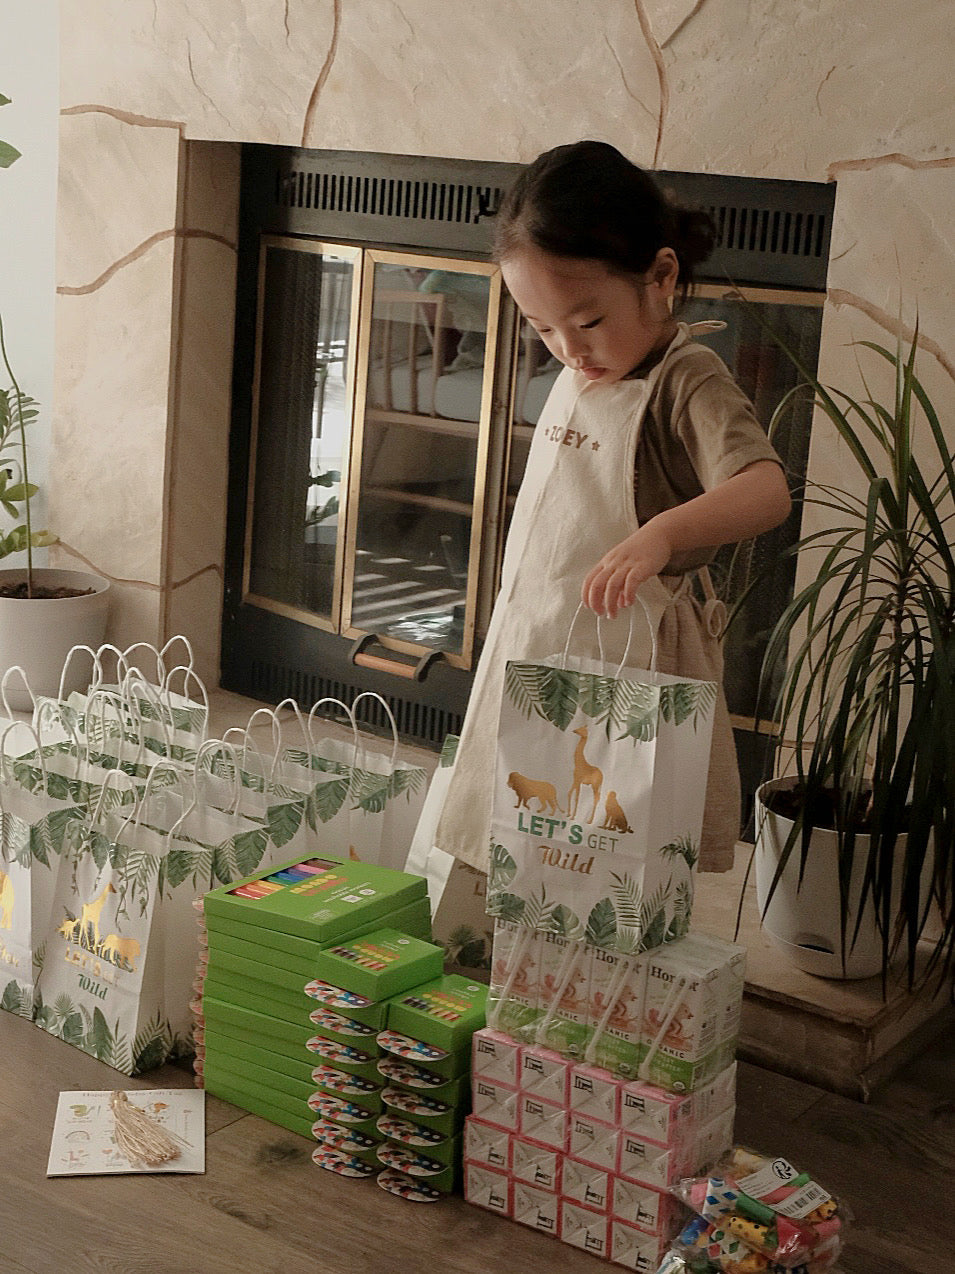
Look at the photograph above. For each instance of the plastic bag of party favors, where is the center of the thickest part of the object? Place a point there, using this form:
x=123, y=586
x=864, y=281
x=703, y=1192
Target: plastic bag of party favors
x=757, y=1215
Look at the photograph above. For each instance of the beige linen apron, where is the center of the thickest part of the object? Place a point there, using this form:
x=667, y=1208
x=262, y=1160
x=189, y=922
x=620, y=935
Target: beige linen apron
x=575, y=502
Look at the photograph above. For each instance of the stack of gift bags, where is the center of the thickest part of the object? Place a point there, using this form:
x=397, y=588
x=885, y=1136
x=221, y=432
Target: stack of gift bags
x=323, y=1007
x=118, y=812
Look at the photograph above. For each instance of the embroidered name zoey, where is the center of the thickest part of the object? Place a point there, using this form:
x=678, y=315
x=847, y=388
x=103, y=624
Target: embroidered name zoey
x=569, y=437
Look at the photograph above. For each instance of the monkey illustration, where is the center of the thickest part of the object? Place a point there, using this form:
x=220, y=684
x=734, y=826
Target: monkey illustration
x=615, y=820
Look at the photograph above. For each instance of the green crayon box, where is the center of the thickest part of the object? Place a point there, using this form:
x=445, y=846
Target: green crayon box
x=223, y=1084
x=445, y=1013
x=414, y=918
x=321, y=898
x=379, y=964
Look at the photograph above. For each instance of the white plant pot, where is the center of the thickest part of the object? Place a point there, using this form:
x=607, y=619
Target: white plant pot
x=803, y=921
x=38, y=633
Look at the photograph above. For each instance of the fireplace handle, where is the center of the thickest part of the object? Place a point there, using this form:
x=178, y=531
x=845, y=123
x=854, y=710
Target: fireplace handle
x=397, y=668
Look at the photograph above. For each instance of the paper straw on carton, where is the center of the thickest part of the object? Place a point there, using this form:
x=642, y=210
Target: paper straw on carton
x=624, y=970
x=513, y=965
x=670, y=1006
x=565, y=971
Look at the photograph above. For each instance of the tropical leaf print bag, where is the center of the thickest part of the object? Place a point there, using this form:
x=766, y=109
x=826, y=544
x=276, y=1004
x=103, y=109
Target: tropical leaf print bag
x=33, y=826
x=102, y=984
x=598, y=801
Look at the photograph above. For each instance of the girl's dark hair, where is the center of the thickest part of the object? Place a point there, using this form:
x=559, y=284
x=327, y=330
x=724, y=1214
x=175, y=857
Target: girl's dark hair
x=586, y=200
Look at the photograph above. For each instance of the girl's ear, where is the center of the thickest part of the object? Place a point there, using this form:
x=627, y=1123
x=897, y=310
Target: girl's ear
x=665, y=271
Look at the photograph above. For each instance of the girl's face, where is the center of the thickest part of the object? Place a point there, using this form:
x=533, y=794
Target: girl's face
x=599, y=323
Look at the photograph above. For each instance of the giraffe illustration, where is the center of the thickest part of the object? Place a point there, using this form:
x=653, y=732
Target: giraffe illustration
x=90, y=912
x=6, y=901
x=585, y=775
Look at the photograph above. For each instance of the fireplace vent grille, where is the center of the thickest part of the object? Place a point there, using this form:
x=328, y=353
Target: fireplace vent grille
x=422, y=723
x=383, y=196
x=769, y=232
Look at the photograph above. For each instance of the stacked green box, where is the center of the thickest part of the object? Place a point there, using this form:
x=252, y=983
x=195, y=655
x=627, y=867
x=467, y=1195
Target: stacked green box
x=427, y=1045
x=281, y=1038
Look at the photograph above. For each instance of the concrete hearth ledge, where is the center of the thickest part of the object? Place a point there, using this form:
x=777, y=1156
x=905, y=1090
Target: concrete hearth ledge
x=842, y=1035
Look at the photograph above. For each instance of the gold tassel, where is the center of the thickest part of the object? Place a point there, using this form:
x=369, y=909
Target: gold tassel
x=141, y=1139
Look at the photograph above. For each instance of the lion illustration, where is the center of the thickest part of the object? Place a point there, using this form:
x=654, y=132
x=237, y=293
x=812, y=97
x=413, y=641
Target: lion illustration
x=124, y=951
x=6, y=901
x=526, y=789
x=615, y=820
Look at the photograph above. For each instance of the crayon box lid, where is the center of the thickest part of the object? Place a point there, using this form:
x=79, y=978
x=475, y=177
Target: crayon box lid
x=379, y=964
x=445, y=1012
x=321, y=898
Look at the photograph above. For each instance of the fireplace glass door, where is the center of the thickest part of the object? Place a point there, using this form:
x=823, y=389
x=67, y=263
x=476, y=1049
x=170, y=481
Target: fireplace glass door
x=373, y=394
x=303, y=400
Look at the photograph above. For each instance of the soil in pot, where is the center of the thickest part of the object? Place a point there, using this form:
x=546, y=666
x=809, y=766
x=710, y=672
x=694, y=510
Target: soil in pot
x=41, y=593
x=790, y=803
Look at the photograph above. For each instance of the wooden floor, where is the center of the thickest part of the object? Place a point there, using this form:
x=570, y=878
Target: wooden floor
x=262, y=1207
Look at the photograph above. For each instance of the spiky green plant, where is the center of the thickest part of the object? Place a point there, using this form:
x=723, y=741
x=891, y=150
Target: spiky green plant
x=17, y=410
x=866, y=698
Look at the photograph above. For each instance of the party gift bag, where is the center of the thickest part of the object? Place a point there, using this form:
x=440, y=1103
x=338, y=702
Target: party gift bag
x=32, y=834
x=598, y=801
x=101, y=984
x=382, y=796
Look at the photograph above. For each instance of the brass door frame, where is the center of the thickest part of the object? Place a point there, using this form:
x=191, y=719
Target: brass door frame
x=417, y=260
x=347, y=252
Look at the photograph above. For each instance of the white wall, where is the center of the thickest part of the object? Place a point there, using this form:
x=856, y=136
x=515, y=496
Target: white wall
x=29, y=76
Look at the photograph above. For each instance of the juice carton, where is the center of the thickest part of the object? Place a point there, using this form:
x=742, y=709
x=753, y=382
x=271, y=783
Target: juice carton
x=535, y=1208
x=635, y=1250
x=487, y=1188
x=584, y=1229
x=542, y=1121
x=483, y=1143
x=514, y=991
x=585, y=1184
x=543, y=1073
x=564, y=995
x=496, y=1056
x=685, y=1010
x=536, y=1165
x=615, y=1012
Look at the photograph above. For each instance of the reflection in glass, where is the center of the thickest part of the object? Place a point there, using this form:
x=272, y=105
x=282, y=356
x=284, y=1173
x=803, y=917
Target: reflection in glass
x=302, y=427
x=420, y=448
x=537, y=369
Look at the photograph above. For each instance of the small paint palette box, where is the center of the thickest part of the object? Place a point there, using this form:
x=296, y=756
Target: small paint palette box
x=321, y=898
x=424, y=1110
x=245, y=1052
x=380, y=964
x=259, y=996
x=445, y=1013
x=420, y=1164
x=405, y=1077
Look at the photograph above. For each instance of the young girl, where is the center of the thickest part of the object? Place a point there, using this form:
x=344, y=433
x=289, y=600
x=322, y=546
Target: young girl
x=646, y=458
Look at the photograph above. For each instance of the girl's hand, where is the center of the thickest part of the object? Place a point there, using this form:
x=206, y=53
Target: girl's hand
x=612, y=584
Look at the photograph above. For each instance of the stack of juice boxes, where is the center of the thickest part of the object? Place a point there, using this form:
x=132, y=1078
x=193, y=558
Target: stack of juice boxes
x=303, y=968
x=600, y=1082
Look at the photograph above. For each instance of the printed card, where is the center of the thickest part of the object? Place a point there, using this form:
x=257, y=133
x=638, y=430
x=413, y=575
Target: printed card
x=84, y=1142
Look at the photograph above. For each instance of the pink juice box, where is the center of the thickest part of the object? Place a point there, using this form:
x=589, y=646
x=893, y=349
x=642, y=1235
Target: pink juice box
x=495, y=1056
x=536, y=1165
x=534, y=1207
x=544, y=1073
x=584, y=1228
x=487, y=1188
x=485, y=1143
x=586, y=1184
x=514, y=991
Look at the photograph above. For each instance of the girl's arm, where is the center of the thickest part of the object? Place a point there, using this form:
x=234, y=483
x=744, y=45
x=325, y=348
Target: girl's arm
x=752, y=501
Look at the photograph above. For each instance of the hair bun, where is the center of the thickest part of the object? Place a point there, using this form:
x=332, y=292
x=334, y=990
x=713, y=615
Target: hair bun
x=696, y=234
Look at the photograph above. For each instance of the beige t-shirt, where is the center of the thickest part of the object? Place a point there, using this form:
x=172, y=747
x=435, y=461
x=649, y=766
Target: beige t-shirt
x=699, y=430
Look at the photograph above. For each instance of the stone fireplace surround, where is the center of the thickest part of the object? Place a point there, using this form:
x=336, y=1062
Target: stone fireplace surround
x=156, y=97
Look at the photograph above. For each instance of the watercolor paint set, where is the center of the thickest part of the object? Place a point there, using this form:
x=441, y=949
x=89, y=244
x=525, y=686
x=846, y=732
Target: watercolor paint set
x=413, y=918
x=324, y=899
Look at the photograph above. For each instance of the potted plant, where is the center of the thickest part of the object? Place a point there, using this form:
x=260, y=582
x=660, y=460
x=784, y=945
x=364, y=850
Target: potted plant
x=855, y=855
x=44, y=612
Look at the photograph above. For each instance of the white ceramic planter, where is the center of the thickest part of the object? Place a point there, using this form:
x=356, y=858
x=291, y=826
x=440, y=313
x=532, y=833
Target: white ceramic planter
x=38, y=633
x=803, y=921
